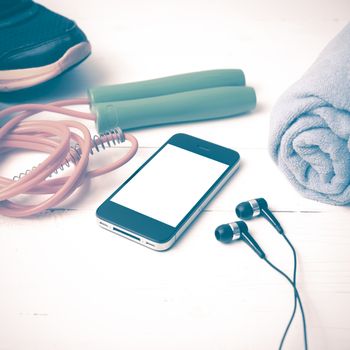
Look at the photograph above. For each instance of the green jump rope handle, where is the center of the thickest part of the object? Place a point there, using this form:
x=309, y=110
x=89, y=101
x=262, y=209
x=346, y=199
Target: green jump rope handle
x=167, y=85
x=187, y=106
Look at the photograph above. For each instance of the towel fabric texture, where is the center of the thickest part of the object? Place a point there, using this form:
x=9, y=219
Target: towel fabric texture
x=310, y=126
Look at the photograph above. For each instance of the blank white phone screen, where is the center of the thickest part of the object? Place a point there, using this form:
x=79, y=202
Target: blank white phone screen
x=170, y=184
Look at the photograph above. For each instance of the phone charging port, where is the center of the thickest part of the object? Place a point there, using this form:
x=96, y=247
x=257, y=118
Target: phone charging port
x=126, y=234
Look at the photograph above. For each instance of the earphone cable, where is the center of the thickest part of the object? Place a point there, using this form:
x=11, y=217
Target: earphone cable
x=296, y=294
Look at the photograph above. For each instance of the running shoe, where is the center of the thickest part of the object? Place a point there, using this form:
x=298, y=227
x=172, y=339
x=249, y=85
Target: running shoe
x=36, y=44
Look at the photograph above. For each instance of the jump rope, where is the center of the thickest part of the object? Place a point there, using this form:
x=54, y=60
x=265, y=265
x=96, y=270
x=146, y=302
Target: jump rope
x=181, y=98
x=54, y=138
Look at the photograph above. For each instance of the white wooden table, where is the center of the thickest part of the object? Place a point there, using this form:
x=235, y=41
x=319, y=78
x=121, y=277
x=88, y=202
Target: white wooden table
x=67, y=284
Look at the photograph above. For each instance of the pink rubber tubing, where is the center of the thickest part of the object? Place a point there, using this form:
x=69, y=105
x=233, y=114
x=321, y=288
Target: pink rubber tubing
x=52, y=137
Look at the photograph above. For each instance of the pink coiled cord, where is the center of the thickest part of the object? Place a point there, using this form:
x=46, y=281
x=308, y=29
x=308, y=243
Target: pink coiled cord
x=52, y=137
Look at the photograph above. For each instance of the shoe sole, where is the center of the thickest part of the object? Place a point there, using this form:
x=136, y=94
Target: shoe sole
x=17, y=79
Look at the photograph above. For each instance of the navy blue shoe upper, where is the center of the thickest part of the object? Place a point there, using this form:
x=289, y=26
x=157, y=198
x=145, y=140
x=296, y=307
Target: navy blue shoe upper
x=33, y=36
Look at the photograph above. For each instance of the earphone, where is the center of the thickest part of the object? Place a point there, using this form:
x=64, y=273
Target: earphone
x=255, y=207
x=238, y=230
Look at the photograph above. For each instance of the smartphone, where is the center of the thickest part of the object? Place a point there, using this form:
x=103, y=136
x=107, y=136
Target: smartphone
x=157, y=203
